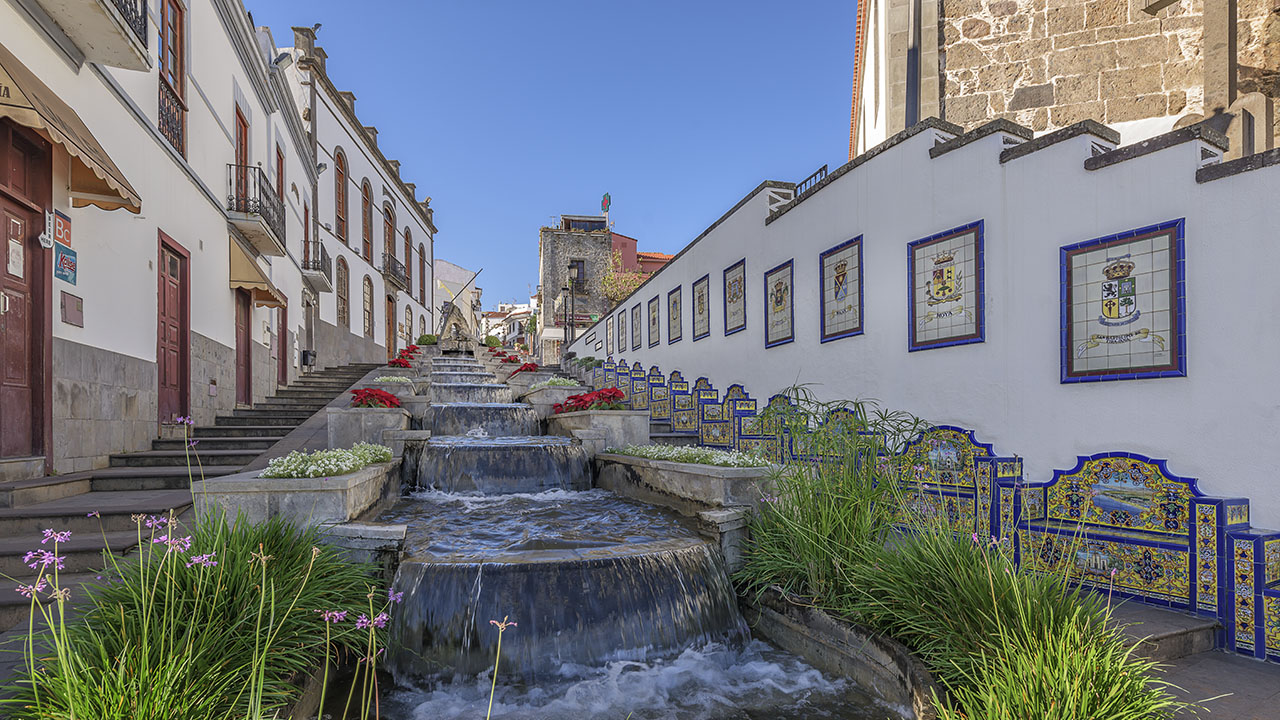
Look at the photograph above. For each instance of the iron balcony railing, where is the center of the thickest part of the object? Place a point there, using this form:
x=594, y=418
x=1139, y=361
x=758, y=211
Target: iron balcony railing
x=134, y=13
x=173, y=118
x=811, y=182
x=315, y=258
x=249, y=192
x=393, y=272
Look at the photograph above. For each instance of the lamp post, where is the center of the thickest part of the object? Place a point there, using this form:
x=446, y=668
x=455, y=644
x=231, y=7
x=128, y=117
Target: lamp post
x=573, y=286
x=564, y=342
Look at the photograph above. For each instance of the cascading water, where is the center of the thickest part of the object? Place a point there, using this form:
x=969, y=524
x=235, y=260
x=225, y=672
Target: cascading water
x=622, y=608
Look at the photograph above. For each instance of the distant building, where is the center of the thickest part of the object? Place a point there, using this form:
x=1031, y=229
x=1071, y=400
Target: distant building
x=457, y=301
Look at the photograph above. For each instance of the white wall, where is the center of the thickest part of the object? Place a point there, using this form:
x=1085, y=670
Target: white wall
x=1218, y=423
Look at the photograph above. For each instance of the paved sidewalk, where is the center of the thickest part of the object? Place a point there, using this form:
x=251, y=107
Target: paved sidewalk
x=1253, y=686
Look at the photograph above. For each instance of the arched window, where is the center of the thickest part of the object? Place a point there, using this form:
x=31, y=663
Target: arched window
x=408, y=325
x=340, y=195
x=344, y=295
x=368, y=307
x=366, y=219
x=408, y=265
x=422, y=325
x=422, y=276
x=388, y=231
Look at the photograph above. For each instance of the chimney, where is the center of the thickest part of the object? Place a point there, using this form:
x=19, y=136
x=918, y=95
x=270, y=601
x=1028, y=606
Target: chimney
x=395, y=165
x=413, y=191
x=372, y=133
x=319, y=57
x=304, y=39
x=349, y=98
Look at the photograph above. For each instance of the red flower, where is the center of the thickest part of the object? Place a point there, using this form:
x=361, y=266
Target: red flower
x=527, y=366
x=374, y=398
x=603, y=399
x=510, y=359
x=399, y=362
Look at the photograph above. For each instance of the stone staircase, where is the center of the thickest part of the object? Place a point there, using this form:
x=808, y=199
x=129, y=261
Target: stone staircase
x=660, y=434
x=151, y=482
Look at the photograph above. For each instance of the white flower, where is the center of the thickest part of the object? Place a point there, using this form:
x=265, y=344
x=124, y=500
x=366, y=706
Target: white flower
x=324, y=463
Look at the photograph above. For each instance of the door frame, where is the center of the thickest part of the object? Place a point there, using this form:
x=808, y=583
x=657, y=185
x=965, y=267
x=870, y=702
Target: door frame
x=391, y=326
x=40, y=198
x=242, y=295
x=165, y=242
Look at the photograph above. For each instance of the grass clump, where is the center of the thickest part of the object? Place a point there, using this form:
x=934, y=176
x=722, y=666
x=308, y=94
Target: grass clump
x=325, y=463
x=692, y=454
x=555, y=382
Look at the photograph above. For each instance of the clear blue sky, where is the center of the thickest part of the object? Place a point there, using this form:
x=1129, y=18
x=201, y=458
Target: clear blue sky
x=507, y=112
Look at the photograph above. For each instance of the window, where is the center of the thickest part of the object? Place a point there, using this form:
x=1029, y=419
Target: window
x=579, y=271
x=422, y=326
x=388, y=231
x=340, y=195
x=408, y=264
x=422, y=275
x=306, y=234
x=344, y=295
x=408, y=325
x=366, y=220
x=368, y=308
x=172, y=119
x=280, y=173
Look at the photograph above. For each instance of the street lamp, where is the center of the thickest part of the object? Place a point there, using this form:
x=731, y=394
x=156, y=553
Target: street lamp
x=564, y=346
x=574, y=279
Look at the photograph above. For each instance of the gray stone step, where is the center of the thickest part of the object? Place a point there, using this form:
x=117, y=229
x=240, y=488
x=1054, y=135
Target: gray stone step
x=671, y=438
x=1161, y=634
x=659, y=427
x=291, y=405
x=234, y=431
x=114, y=508
x=15, y=610
x=260, y=443
x=82, y=554
x=155, y=478
x=43, y=489
x=150, y=458
x=286, y=422
x=270, y=412
x=305, y=394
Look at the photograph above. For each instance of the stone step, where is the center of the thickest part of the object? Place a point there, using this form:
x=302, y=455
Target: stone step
x=672, y=438
x=115, y=510
x=155, y=478
x=15, y=610
x=82, y=554
x=260, y=443
x=299, y=415
x=150, y=458
x=306, y=393
x=289, y=405
x=43, y=489
x=234, y=431
x=659, y=427
x=285, y=423
x=1161, y=634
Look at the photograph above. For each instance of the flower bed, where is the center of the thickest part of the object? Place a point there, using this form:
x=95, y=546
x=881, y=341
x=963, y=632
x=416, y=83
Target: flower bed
x=553, y=382
x=527, y=367
x=399, y=363
x=326, y=463
x=374, y=398
x=692, y=454
x=603, y=399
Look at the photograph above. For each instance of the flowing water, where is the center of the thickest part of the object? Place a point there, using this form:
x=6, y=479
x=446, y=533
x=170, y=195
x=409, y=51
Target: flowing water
x=621, y=608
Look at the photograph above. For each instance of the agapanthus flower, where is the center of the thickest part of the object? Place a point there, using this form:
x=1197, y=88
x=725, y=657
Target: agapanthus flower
x=174, y=543
x=381, y=620
x=362, y=622
x=157, y=522
x=30, y=590
x=57, y=537
x=206, y=560
x=333, y=616
x=395, y=597
x=43, y=559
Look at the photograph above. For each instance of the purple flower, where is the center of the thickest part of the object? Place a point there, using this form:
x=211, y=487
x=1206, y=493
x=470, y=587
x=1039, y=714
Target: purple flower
x=394, y=597
x=381, y=620
x=157, y=521
x=975, y=537
x=333, y=616
x=204, y=560
x=192, y=443
x=93, y=514
x=43, y=559
x=185, y=420
x=30, y=590
x=57, y=537
x=174, y=543
x=362, y=622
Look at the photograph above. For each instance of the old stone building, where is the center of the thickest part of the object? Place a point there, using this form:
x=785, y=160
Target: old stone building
x=584, y=243
x=1141, y=66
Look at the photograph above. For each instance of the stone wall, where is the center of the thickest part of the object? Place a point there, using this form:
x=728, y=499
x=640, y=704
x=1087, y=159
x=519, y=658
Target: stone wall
x=556, y=249
x=263, y=380
x=1049, y=63
x=211, y=362
x=337, y=346
x=103, y=402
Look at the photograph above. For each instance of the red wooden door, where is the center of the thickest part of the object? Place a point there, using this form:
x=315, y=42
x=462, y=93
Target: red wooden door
x=391, y=327
x=171, y=351
x=242, y=155
x=282, y=348
x=18, y=334
x=244, y=357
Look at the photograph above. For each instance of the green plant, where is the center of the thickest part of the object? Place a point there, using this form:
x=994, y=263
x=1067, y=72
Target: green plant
x=426, y=339
x=322, y=463
x=554, y=382
x=618, y=282
x=692, y=454
x=399, y=379
x=492, y=341
x=219, y=624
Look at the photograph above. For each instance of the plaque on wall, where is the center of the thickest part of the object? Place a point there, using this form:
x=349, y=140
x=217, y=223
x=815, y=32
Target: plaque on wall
x=675, y=323
x=735, y=297
x=702, y=307
x=635, y=327
x=608, y=333
x=655, y=322
x=945, y=276
x=840, y=277
x=72, y=309
x=779, y=306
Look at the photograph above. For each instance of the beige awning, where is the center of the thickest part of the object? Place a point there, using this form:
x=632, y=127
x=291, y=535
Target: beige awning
x=95, y=179
x=246, y=274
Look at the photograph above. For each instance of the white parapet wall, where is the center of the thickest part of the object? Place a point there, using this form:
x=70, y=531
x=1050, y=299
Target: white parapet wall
x=1050, y=374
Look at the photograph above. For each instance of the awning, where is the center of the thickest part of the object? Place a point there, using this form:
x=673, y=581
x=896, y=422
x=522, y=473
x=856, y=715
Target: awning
x=95, y=179
x=246, y=275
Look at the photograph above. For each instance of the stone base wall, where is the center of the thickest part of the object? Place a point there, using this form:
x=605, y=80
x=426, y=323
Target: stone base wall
x=103, y=403
x=336, y=346
x=264, y=371
x=213, y=378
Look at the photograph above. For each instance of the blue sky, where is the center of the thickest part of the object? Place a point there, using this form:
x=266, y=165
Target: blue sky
x=509, y=112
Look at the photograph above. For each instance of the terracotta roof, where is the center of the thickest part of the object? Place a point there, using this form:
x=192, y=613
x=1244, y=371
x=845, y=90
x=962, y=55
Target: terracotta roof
x=654, y=256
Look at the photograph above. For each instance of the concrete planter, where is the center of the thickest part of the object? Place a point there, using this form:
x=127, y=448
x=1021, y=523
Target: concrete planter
x=404, y=391
x=348, y=426
x=409, y=372
x=543, y=399
x=620, y=427
x=522, y=382
x=877, y=664
x=687, y=488
x=302, y=500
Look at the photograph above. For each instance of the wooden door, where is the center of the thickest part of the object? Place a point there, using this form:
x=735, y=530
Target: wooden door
x=19, y=334
x=244, y=355
x=242, y=155
x=391, y=327
x=171, y=335
x=282, y=348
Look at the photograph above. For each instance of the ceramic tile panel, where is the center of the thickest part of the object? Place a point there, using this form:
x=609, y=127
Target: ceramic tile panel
x=945, y=298
x=1271, y=612
x=655, y=322
x=608, y=334
x=779, y=305
x=1244, y=628
x=675, y=315
x=1124, y=567
x=1207, y=557
x=735, y=297
x=639, y=388
x=945, y=457
x=1122, y=491
x=635, y=327
x=1123, y=299
x=659, y=396
x=840, y=275
x=622, y=331
x=701, y=307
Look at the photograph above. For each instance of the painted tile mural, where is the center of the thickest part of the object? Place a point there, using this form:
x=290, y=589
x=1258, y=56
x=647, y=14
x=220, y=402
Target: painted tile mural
x=1122, y=492
x=945, y=276
x=779, y=309
x=1245, y=630
x=622, y=331
x=608, y=333
x=675, y=318
x=1207, y=557
x=1126, y=567
x=735, y=297
x=635, y=327
x=702, y=307
x=840, y=274
x=1122, y=306
x=655, y=322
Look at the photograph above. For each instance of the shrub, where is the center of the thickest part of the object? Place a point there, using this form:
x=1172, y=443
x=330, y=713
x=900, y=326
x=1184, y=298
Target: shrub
x=605, y=399
x=693, y=454
x=554, y=382
x=426, y=339
x=373, y=398
x=323, y=463
x=492, y=341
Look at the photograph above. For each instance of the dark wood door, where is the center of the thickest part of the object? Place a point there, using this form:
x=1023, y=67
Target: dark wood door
x=19, y=334
x=171, y=351
x=242, y=155
x=391, y=327
x=244, y=355
x=282, y=348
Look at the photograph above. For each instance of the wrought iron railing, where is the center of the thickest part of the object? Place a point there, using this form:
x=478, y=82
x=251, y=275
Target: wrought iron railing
x=134, y=13
x=249, y=192
x=811, y=182
x=315, y=258
x=173, y=118
x=393, y=271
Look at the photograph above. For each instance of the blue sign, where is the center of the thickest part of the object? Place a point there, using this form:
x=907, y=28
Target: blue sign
x=64, y=263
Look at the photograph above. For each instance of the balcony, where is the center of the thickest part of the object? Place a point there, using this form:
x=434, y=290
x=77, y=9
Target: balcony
x=108, y=32
x=255, y=209
x=393, y=272
x=173, y=118
x=317, y=266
